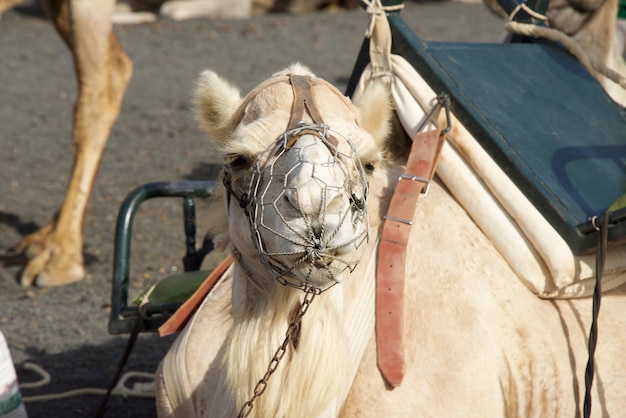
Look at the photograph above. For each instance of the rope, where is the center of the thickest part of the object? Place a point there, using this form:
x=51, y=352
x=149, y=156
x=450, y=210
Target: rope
x=45, y=376
x=597, y=297
x=595, y=68
x=141, y=390
x=117, y=386
x=531, y=12
x=375, y=9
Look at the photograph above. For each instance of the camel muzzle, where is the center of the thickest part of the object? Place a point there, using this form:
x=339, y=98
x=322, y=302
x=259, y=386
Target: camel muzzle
x=307, y=207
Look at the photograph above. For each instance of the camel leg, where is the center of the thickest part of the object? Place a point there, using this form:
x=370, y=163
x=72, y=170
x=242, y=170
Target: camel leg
x=103, y=70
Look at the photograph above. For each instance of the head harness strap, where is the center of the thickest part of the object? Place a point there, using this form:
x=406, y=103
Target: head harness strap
x=303, y=97
x=302, y=100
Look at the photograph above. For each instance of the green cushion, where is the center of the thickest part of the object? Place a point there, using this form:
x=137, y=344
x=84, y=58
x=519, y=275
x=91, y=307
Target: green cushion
x=619, y=204
x=176, y=288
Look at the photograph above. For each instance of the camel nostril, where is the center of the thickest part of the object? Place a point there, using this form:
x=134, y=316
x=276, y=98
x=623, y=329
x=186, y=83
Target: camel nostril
x=317, y=231
x=359, y=203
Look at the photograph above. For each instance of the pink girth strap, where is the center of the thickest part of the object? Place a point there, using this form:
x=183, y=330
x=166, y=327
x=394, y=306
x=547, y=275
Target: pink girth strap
x=420, y=169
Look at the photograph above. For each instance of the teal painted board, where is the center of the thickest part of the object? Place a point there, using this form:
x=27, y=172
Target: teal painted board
x=542, y=120
x=539, y=113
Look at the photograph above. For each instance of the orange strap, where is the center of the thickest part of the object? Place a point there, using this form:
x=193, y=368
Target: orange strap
x=420, y=169
x=182, y=315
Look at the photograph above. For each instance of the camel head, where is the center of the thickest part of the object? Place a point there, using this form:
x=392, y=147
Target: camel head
x=298, y=155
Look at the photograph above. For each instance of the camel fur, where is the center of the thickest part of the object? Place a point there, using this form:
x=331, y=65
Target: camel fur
x=477, y=342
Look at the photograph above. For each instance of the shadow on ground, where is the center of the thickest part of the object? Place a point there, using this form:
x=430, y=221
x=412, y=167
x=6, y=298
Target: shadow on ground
x=92, y=366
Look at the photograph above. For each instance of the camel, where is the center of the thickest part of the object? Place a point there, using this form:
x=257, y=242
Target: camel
x=289, y=331
x=593, y=26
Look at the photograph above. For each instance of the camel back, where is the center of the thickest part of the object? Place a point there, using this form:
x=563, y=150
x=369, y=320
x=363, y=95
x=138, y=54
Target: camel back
x=539, y=114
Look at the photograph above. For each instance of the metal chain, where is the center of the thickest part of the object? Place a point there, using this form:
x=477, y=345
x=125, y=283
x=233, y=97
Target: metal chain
x=293, y=330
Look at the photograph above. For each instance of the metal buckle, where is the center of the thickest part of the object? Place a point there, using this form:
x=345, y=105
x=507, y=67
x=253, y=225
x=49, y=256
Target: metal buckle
x=402, y=220
x=423, y=192
x=425, y=180
x=442, y=100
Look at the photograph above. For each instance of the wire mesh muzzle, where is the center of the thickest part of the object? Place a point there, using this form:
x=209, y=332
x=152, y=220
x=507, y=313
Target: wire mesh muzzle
x=304, y=246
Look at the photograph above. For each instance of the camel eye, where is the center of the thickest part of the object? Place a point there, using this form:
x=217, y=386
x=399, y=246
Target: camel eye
x=237, y=162
x=369, y=168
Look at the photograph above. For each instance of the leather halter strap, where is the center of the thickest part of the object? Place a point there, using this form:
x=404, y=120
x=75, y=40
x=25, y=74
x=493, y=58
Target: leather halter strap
x=302, y=100
x=420, y=169
x=300, y=79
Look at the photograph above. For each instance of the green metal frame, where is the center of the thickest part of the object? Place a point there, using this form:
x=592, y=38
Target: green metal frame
x=127, y=318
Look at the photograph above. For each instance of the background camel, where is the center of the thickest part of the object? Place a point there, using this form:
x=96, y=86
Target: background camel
x=477, y=342
x=593, y=26
x=148, y=143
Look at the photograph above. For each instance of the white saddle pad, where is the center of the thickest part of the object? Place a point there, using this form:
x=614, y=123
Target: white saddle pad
x=532, y=247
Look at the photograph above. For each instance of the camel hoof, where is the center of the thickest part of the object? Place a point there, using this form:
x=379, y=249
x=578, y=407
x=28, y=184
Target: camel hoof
x=47, y=271
x=45, y=279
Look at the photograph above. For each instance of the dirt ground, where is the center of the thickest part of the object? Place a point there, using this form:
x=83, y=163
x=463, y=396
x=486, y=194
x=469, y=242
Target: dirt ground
x=64, y=330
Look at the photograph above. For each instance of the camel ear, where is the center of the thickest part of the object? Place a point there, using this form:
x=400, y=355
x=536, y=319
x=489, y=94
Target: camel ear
x=376, y=111
x=215, y=101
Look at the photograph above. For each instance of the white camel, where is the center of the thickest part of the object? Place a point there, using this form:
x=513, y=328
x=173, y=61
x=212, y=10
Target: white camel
x=477, y=342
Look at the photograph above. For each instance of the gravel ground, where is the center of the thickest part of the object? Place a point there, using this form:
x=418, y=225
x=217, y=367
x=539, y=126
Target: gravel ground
x=64, y=330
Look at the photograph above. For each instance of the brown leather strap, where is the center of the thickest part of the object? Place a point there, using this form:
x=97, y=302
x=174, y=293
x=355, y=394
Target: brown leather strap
x=241, y=109
x=302, y=100
x=182, y=315
x=420, y=168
